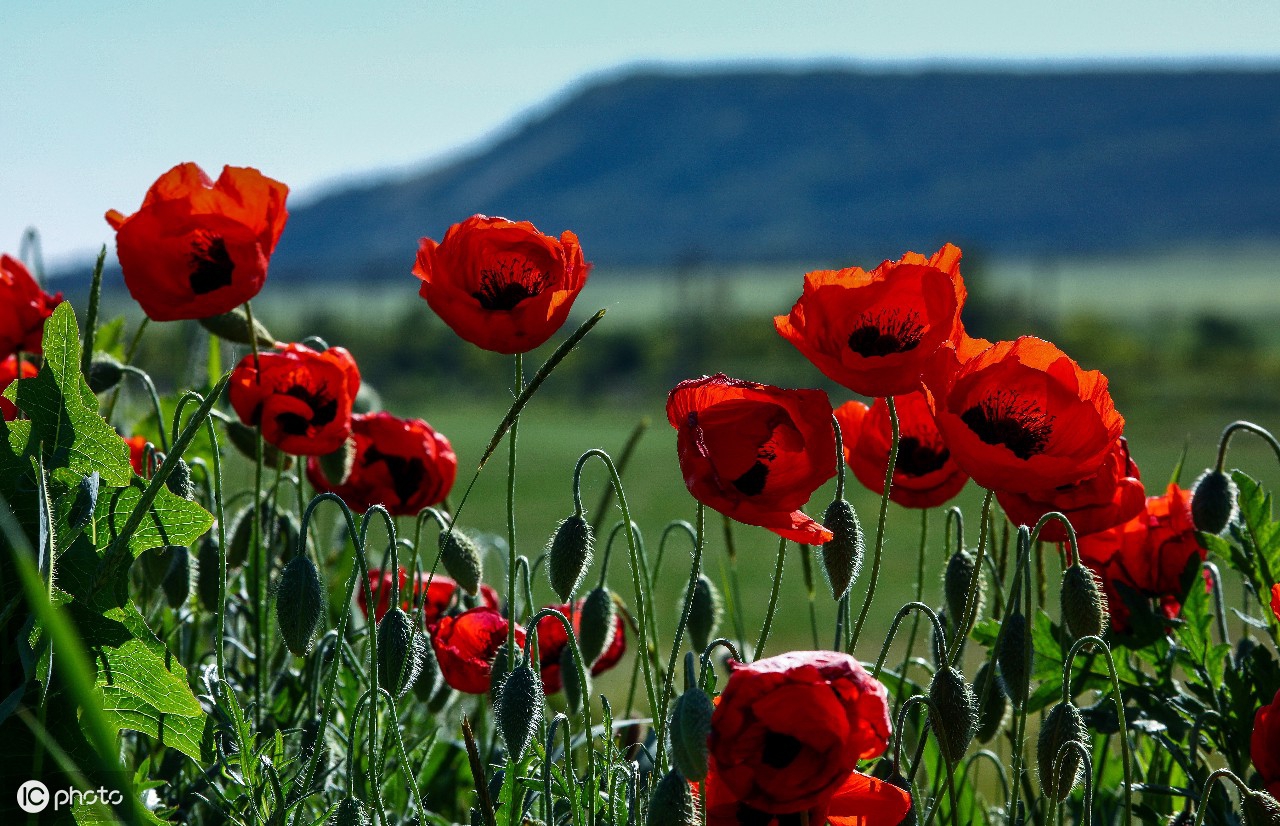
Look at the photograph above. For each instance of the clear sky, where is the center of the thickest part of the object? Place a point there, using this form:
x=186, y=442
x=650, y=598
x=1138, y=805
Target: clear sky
x=97, y=99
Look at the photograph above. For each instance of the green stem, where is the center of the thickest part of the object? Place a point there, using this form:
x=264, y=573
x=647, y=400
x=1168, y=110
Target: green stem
x=773, y=598
x=1225, y=774
x=735, y=588
x=694, y=572
x=884, y=512
x=517, y=389
x=971, y=600
x=1126, y=755
x=91, y=320
x=915, y=620
x=917, y=608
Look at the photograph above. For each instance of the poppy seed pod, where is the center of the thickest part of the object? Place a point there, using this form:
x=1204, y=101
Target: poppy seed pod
x=704, y=613
x=1084, y=605
x=953, y=713
x=400, y=652
x=569, y=555
x=461, y=557
x=105, y=372
x=1213, y=501
x=597, y=626
x=992, y=704
x=1261, y=809
x=575, y=693
x=1062, y=725
x=1015, y=673
x=955, y=585
x=520, y=708
x=177, y=579
x=180, y=482
x=299, y=603
x=672, y=803
x=842, y=554
x=690, y=729
x=234, y=326
x=350, y=812
x=336, y=466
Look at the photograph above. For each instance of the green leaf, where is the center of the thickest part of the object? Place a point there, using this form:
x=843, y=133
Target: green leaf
x=1259, y=531
x=172, y=521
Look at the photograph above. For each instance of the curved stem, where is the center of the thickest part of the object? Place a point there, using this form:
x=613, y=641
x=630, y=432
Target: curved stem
x=1119, y=703
x=994, y=760
x=517, y=389
x=1230, y=430
x=884, y=512
x=155, y=401
x=915, y=620
x=704, y=659
x=694, y=572
x=1059, y=763
x=1220, y=609
x=1074, y=557
x=840, y=464
x=975, y=580
x=773, y=599
x=918, y=608
x=1225, y=774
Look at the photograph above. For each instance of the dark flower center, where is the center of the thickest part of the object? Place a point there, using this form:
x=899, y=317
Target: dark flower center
x=512, y=282
x=1006, y=419
x=323, y=411
x=406, y=472
x=752, y=482
x=885, y=333
x=780, y=749
x=918, y=458
x=751, y=816
x=211, y=265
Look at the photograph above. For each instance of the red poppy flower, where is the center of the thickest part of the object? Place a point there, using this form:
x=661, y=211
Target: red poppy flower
x=8, y=375
x=300, y=398
x=137, y=453
x=440, y=595
x=23, y=308
x=753, y=451
x=860, y=801
x=499, y=284
x=465, y=646
x=924, y=475
x=402, y=464
x=789, y=729
x=552, y=640
x=1108, y=498
x=1264, y=747
x=1275, y=601
x=876, y=332
x=198, y=248
x=1021, y=416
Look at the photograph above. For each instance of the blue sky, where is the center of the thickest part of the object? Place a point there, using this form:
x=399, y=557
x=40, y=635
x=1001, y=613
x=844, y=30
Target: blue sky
x=97, y=99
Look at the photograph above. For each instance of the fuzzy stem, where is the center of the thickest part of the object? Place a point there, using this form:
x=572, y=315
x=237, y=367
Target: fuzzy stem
x=911, y=607
x=1225, y=774
x=694, y=572
x=1119, y=703
x=517, y=388
x=884, y=512
x=1230, y=430
x=773, y=599
x=963, y=624
x=915, y=619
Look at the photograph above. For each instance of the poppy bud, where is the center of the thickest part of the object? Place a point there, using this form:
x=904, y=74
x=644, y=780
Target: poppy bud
x=569, y=555
x=1063, y=724
x=672, y=803
x=955, y=585
x=499, y=668
x=400, y=652
x=336, y=466
x=85, y=503
x=1012, y=658
x=1084, y=605
x=233, y=326
x=350, y=812
x=429, y=677
x=690, y=729
x=842, y=554
x=207, y=573
x=104, y=373
x=1261, y=809
x=704, y=613
x=597, y=625
x=180, y=482
x=155, y=565
x=1182, y=818
x=461, y=557
x=245, y=439
x=520, y=707
x=367, y=400
x=299, y=603
x=992, y=709
x=953, y=713
x=177, y=579
x=1213, y=501
x=575, y=693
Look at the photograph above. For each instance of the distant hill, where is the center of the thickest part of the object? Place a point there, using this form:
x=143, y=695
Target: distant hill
x=660, y=166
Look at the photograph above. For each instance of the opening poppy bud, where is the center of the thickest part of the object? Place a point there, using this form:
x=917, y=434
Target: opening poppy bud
x=350, y=812
x=234, y=326
x=953, y=713
x=569, y=555
x=177, y=579
x=1213, y=501
x=299, y=603
x=1061, y=726
x=704, y=613
x=207, y=573
x=992, y=704
x=690, y=729
x=1084, y=605
x=672, y=803
x=1261, y=809
x=842, y=554
x=597, y=625
x=180, y=482
x=955, y=585
x=105, y=372
x=462, y=560
x=520, y=708
x=575, y=693
x=336, y=466
x=400, y=652
x=245, y=439
x=1012, y=657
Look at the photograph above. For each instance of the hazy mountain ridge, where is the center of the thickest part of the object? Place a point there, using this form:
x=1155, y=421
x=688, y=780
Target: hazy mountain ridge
x=658, y=166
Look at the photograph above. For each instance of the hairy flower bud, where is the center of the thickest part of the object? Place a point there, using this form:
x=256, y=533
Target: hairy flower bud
x=672, y=803
x=597, y=625
x=1213, y=501
x=240, y=537
x=955, y=585
x=299, y=603
x=1062, y=725
x=992, y=704
x=1084, y=605
x=180, y=482
x=953, y=713
x=350, y=812
x=842, y=554
x=177, y=578
x=429, y=676
x=336, y=466
x=207, y=573
x=520, y=708
x=704, y=613
x=575, y=693
x=234, y=326
x=462, y=560
x=1261, y=809
x=105, y=372
x=245, y=439
x=1012, y=656
x=569, y=555
x=690, y=729
x=400, y=652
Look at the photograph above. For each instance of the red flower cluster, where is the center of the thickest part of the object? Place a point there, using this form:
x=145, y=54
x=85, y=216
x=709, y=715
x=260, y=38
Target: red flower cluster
x=786, y=735
x=754, y=452
x=466, y=645
x=436, y=598
x=552, y=640
x=300, y=398
x=1264, y=747
x=401, y=464
x=23, y=309
x=499, y=284
x=198, y=248
x=8, y=375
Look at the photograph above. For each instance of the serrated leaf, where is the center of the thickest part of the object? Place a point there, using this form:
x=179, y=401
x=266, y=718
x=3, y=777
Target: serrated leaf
x=172, y=521
x=1260, y=530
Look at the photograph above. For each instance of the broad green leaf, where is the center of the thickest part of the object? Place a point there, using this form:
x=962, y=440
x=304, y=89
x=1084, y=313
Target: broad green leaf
x=172, y=521
x=1260, y=530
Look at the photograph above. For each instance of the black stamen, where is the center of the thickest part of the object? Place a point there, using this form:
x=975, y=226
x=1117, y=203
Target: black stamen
x=885, y=333
x=407, y=473
x=917, y=458
x=752, y=482
x=211, y=265
x=513, y=282
x=780, y=749
x=1006, y=419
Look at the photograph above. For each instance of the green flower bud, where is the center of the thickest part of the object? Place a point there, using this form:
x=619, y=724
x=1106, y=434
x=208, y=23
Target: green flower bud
x=569, y=555
x=1013, y=659
x=180, y=482
x=598, y=625
x=991, y=711
x=207, y=573
x=429, y=676
x=299, y=604
x=953, y=713
x=575, y=693
x=1063, y=724
x=245, y=439
x=1213, y=501
x=350, y=812
x=400, y=652
x=85, y=502
x=690, y=728
x=704, y=613
x=1084, y=605
x=177, y=579
x=104, y=373
x=234, y=326
x=155, y=564
x=955, y=585
x=519, y=709
x=842, y=554
x=336, y=466
x=367, y=400
x=672, y=803
x=240, y=537
x=1261, y=809
x=462, y=560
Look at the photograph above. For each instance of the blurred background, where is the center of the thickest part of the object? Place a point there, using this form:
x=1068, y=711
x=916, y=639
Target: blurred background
x=1111, y=171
